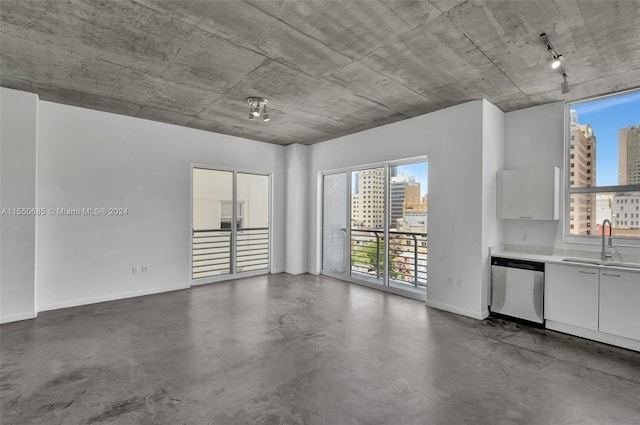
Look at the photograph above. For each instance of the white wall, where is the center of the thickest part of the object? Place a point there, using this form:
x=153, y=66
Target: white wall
x=18, y=140
x=88, y=158
x=492, y=162
x=453, y=140
x=296, y=227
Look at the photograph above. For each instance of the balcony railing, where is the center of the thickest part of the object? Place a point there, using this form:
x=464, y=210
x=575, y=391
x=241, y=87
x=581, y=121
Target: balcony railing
x=212, y=251
x=407, y=255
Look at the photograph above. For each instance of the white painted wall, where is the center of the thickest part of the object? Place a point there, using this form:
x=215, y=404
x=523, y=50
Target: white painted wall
x=88, y=158
x=492, y=162
x=453, y=140
x=534, y=137
x=296, y=228
x=18, y=141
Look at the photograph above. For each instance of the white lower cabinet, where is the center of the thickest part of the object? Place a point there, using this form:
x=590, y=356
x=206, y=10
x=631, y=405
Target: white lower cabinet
x=600, y=303
x=571, y=295
x=620, y=303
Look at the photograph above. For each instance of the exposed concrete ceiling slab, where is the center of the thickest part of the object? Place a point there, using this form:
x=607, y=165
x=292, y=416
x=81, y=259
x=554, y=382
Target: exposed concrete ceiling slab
x=328, y=67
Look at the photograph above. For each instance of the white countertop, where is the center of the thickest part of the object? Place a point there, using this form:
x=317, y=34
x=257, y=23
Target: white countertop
x=578, y=260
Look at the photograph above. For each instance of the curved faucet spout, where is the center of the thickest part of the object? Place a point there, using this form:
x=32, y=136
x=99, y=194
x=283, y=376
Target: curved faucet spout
x=606, y=255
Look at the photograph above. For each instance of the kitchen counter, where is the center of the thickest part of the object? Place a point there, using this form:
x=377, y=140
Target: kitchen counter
x=585, y=259
x=587, y=297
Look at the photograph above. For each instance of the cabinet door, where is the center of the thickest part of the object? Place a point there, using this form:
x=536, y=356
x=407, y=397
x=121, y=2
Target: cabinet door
x=571, y=295
x=515, y=200
x=620, y=303
x=530, y=193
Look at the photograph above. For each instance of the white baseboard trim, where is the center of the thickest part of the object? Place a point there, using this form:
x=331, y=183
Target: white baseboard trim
x=480, y=315
x=276, y=271
x=18, y=317
x=619, y=341
x=295, y=271
x=112, y=297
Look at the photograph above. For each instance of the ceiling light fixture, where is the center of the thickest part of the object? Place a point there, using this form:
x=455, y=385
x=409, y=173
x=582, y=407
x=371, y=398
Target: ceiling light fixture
x=257, y=108
x=557, y=62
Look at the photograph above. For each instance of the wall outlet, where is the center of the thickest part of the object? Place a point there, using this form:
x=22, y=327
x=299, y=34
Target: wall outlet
x=134, y=270
x=449, y=281
x=144, y=269
x=459, y=283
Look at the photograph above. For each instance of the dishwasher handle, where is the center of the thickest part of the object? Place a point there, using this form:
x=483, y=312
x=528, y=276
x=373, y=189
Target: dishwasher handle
x=517, y=264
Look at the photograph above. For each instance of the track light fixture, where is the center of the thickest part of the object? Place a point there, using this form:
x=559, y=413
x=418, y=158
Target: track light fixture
x=557, y=62
x=257, y=108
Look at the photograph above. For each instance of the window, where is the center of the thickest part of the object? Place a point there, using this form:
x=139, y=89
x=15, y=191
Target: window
x=603, y=166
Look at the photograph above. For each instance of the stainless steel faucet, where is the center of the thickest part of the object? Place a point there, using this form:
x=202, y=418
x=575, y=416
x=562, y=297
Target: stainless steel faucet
x=606, y=254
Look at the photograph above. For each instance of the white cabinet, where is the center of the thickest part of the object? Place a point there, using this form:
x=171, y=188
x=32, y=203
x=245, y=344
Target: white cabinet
x=571, y=295
x=620, y=303
x=531, y=193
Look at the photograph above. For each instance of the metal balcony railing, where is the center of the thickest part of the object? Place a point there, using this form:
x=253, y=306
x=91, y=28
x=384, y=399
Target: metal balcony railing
x=211, y=250
x=407, y=255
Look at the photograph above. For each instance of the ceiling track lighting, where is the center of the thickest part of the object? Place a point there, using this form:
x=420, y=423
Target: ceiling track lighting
x=258, y=108
x=556, y=62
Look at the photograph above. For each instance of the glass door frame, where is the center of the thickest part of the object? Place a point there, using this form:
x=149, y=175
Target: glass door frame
x=234, y=228
x=385, y=284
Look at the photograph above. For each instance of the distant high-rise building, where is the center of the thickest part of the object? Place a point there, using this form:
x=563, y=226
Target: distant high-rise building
x=367, y=200
x=629, y=155
x=414, y=213
x=398, y=187
x=582, y=163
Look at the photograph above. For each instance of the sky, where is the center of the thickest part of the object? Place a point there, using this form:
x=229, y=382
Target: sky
x=606, y=117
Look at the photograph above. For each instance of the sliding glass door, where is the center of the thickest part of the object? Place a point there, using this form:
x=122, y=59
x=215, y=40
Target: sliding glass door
x=230, y=224
x=385, y=242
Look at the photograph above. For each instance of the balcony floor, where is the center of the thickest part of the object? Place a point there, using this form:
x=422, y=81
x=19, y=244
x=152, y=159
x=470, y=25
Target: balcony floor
x=303, y=350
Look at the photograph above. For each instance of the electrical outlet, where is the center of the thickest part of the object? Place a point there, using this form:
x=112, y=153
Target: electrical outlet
x=449, y=281
x=459, y=283
x=134, y=270
x=144, y=269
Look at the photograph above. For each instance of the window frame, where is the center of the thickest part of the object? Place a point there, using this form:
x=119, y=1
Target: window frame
x=568, y=190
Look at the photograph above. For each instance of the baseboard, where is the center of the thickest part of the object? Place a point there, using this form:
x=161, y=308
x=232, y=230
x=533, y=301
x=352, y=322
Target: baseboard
x=18, y=317
x=619, y=341
x=105, y=298
x=276, y=271
x=295, y=271
x=480, y=315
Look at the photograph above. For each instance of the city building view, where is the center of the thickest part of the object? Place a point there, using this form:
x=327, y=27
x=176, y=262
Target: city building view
x=604, y=156
x=407, y=223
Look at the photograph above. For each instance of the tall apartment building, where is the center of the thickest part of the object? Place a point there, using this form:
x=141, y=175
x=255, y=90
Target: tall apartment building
x=367, y=200
x=582, y=164
x=629, y=155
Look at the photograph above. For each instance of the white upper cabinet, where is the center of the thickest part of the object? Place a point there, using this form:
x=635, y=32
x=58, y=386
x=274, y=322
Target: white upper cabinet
x=529, y=194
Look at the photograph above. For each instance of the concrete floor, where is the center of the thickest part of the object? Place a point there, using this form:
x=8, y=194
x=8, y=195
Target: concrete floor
x=285, y=349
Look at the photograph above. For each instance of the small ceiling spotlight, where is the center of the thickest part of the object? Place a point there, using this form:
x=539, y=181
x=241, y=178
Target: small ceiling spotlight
x=257, y=108
x=557, y=62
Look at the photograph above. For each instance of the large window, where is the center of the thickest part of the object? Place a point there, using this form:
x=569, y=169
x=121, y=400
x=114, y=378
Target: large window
x=603, y=174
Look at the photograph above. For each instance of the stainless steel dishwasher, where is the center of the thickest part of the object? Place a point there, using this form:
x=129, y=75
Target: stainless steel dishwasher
x=517, y=289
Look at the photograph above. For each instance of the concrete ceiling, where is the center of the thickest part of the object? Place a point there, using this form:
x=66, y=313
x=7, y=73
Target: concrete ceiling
x=328, y=67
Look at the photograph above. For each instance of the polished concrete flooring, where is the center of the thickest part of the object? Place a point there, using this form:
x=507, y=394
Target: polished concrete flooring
x=285, y=349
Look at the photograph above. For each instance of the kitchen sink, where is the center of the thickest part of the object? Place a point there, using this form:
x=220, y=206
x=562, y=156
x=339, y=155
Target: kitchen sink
x=602, y=263
x=582, y=261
